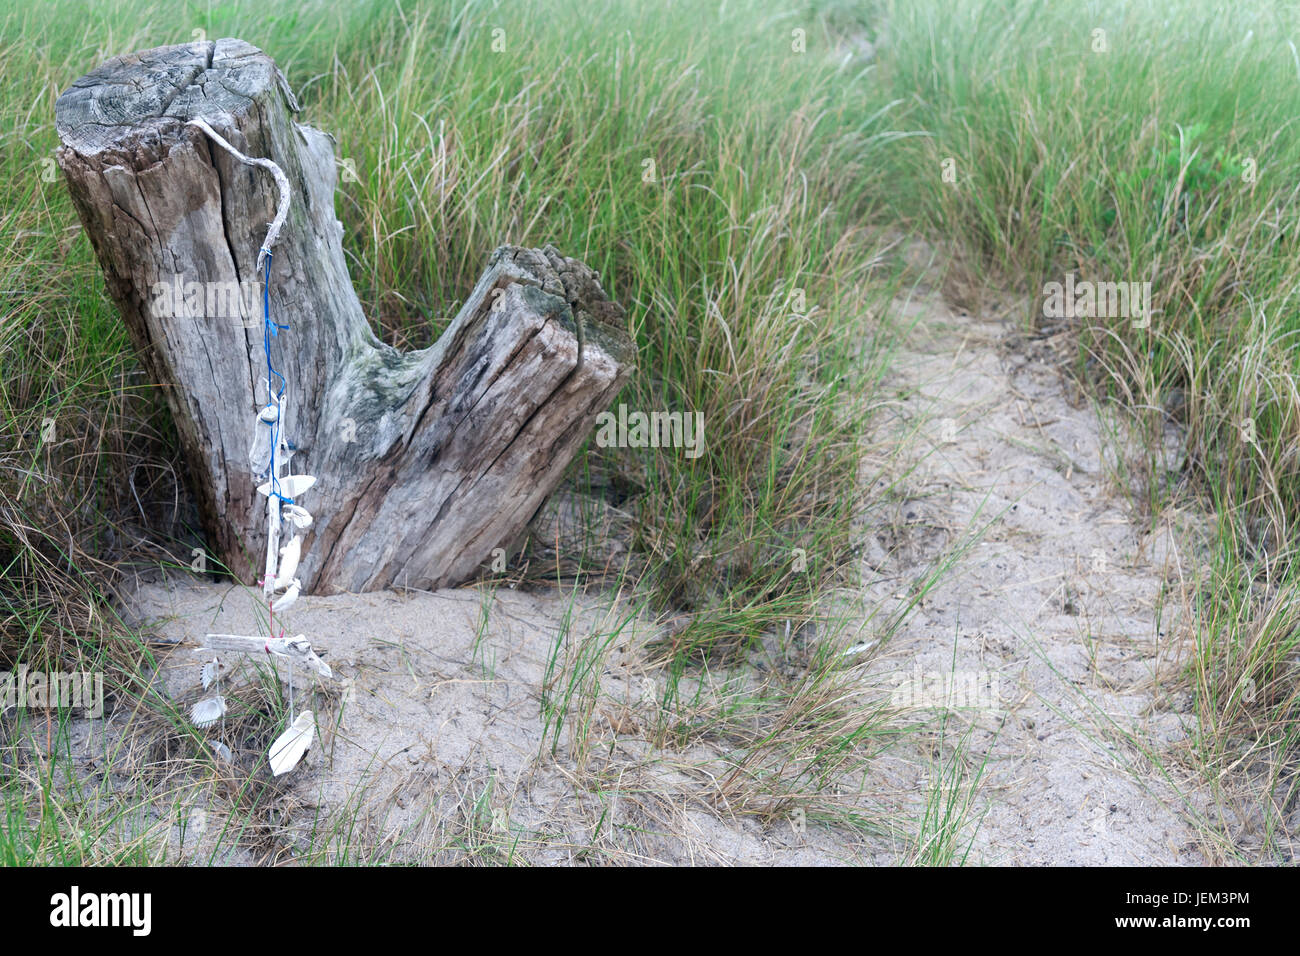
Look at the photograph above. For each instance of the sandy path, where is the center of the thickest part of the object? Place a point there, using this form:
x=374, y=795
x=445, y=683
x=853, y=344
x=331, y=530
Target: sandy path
x=1048, y=620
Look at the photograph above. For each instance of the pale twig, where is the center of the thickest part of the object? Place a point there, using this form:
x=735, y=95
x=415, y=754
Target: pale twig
x=281, y=182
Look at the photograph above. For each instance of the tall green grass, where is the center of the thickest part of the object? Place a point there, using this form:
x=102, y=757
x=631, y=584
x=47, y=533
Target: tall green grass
x=715, y=177
x=718, y=179
x=1148, y=142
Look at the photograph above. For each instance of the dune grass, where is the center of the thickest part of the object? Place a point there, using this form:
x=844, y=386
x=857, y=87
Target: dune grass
x=726, y=187
x=715, y=178
x=718, y=178
x=1146, y=142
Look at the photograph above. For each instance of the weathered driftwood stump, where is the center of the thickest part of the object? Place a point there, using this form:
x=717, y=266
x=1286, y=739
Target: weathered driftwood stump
x=427, y=461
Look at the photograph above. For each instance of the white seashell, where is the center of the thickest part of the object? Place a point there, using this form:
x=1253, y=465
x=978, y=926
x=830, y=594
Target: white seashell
x=211, y=671
x=289, y=556
x=288, y=598
x=859, y=648
x=291, y=745
x=208, y=711
x=222, y=751
x=297, y=514
x=291, y=486
x=259, y=453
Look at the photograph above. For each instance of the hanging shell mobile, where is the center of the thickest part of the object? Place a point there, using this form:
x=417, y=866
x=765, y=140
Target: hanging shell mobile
x=268, y=458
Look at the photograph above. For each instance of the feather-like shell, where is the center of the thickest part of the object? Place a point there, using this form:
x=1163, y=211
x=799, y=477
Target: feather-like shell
x=287, y=599
x=289, y=556
x=291, y=745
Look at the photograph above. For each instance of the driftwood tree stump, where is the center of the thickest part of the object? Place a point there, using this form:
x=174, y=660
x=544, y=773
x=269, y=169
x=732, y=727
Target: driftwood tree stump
x=427, y=461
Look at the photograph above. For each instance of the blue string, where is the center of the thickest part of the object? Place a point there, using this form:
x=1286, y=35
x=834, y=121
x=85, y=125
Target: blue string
x=270, y=329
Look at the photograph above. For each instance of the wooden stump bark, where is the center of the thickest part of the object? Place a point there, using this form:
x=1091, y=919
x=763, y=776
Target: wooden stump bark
x=426, y=461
